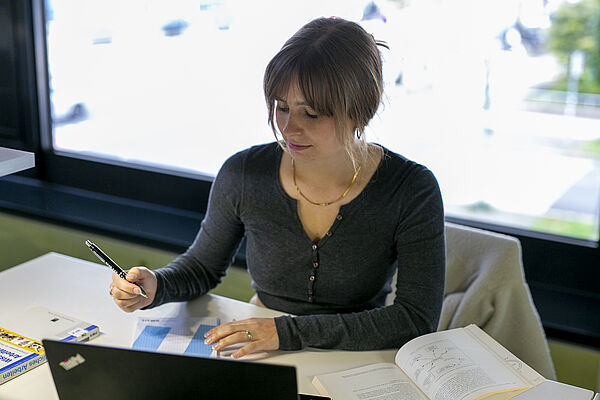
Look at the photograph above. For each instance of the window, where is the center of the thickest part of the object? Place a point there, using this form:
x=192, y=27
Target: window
x=474, y=90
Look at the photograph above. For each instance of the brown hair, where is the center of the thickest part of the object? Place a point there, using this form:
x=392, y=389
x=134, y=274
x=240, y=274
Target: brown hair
x=337, y=67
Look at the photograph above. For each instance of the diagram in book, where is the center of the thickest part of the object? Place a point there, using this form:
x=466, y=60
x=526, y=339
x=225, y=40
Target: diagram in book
x=514, y=362
x=434, y=360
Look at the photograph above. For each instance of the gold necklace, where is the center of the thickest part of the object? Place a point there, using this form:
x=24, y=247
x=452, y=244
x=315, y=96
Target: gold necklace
x=328, y=203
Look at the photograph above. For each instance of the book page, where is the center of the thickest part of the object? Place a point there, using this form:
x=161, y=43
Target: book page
x=525, y=372
x=453, y=365
x=383, y=381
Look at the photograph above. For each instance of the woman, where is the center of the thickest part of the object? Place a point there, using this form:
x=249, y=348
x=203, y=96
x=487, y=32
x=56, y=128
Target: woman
x=327, y=216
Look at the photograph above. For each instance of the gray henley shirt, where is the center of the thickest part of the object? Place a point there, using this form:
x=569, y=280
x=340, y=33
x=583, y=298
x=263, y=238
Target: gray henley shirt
x=335, y=287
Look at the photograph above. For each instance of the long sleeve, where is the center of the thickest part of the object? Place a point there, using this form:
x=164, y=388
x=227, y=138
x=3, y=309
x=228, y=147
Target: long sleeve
x=334, y=288
x=205, y=262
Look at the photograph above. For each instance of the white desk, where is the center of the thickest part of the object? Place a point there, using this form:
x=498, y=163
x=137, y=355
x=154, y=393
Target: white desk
x=12, y=161
x=80, y=288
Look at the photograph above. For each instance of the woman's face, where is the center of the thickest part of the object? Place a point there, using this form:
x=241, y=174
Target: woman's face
x=309, y=136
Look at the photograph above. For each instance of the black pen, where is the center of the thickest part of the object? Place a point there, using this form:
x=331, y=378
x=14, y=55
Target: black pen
x=111, y=264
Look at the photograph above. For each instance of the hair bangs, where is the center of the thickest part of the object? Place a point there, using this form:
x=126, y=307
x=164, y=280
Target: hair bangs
x=318, y=87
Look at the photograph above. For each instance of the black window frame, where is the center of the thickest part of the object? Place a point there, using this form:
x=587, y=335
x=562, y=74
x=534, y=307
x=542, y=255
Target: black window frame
x=164, y=208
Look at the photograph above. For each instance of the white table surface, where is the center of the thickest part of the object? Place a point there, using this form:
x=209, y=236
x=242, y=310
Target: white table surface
x=80, y=289
x=12, y=160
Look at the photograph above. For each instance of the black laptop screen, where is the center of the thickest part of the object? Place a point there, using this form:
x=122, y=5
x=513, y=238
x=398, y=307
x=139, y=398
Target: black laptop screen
x=99, y=372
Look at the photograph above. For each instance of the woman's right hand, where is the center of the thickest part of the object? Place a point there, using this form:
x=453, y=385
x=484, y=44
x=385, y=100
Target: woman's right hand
x=127, y=295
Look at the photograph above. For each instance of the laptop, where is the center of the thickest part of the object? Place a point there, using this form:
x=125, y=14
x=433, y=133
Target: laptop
x=84, y=371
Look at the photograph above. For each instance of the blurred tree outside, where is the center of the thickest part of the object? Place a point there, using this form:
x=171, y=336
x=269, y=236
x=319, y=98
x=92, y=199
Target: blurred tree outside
x=576, y=26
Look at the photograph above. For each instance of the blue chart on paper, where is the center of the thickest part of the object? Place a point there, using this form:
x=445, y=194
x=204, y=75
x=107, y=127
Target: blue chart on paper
x=197, y=346
x=171, y=339
x=151, y=338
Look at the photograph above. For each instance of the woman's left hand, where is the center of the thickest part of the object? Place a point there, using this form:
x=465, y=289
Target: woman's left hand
x=259, y=333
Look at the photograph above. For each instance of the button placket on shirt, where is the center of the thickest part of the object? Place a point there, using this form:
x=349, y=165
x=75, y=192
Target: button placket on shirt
x=315, y=259
x=313, y=275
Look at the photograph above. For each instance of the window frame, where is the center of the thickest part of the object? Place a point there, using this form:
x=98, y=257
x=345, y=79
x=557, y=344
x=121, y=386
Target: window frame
x=562, y=273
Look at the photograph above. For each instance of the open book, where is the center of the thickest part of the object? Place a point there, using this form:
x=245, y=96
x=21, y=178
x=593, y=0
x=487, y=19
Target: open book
x=457, y=364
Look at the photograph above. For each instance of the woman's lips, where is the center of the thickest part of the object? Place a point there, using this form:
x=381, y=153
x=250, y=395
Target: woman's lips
x=297, y=147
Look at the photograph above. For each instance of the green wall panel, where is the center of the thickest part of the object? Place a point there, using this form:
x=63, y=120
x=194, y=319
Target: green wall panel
x=22, y=239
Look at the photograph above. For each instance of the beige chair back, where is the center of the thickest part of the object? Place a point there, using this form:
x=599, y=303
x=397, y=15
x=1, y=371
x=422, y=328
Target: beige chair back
x=485, y=285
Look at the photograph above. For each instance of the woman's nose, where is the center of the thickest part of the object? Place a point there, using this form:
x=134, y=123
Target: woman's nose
x=289, y=125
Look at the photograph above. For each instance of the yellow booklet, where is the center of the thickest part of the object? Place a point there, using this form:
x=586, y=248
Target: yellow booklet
x=457, y=364
x=18, y=354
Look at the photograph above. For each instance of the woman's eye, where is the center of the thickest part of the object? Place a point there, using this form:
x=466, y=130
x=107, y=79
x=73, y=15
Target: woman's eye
x=283, y=109
x=313, y=116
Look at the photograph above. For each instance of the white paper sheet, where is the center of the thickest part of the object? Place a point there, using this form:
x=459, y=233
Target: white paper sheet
x=174, y=335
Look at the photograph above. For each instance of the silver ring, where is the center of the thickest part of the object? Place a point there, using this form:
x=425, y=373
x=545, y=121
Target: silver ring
x=249, y=335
